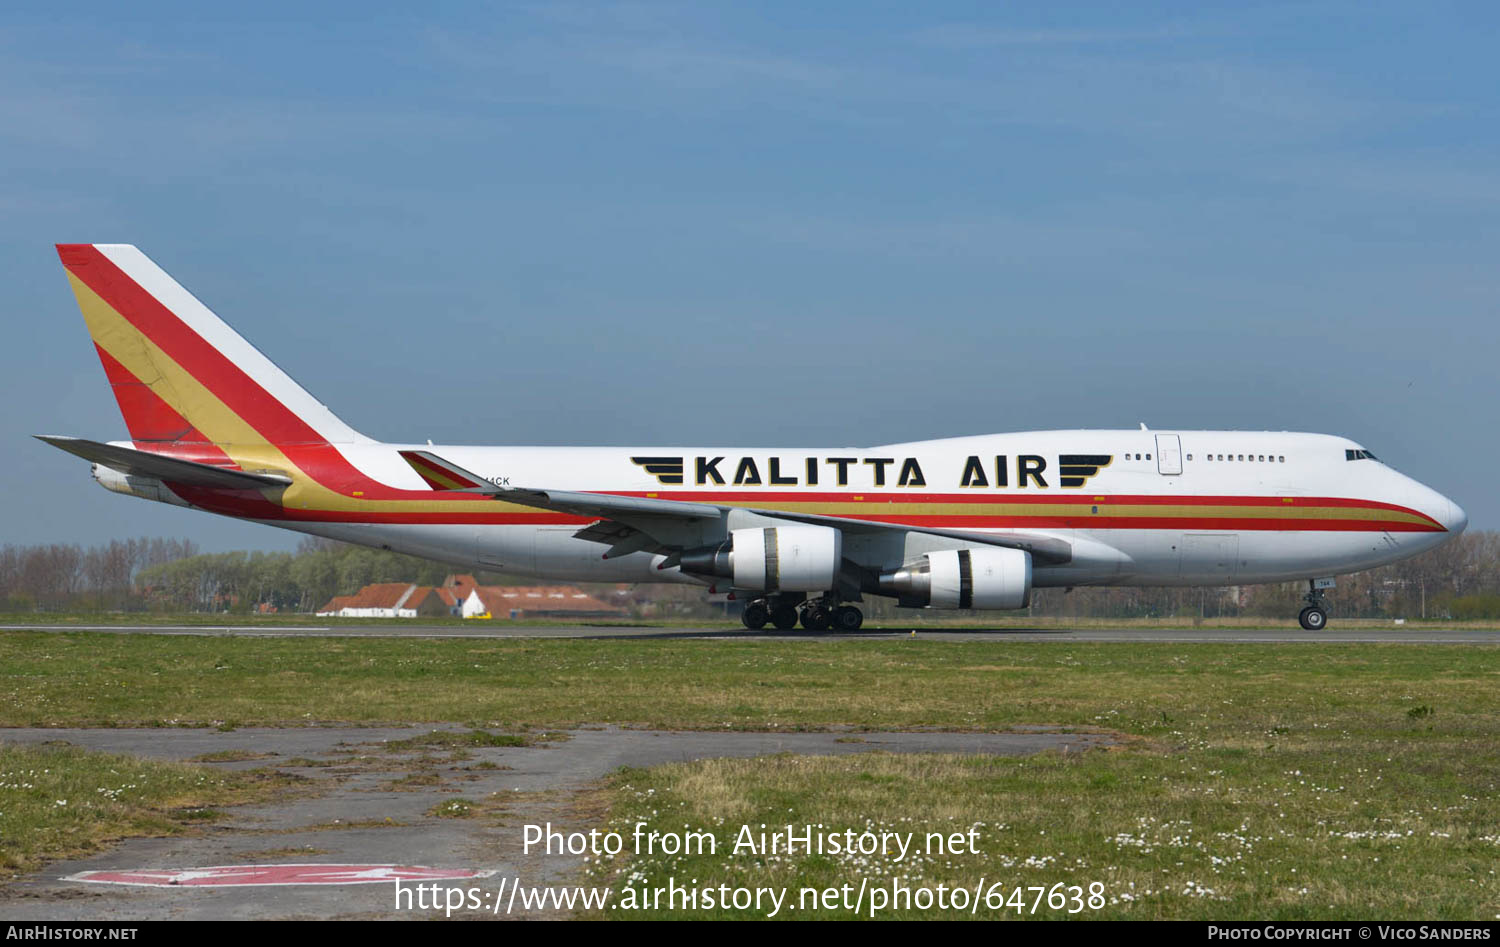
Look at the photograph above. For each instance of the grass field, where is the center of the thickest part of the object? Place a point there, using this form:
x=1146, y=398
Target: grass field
x=63, y=802
x=81, y=679
x=1271, y=780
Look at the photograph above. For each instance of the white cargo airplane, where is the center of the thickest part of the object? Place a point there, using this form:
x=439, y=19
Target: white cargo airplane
x=795, y=533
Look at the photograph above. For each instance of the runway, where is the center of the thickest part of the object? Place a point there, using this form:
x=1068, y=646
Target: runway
x=1392, y=634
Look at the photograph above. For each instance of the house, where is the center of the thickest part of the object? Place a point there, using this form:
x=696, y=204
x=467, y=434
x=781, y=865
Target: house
x=462, y=595
x=453, y=604
x=460, y=585
x=519, y=601
x=390, y=600
x=335, y=605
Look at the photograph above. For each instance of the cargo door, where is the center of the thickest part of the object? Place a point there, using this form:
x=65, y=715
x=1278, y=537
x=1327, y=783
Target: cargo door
x=1212, y=557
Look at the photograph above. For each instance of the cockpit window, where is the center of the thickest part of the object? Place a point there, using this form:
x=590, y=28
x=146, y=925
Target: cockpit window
x=1359, y=455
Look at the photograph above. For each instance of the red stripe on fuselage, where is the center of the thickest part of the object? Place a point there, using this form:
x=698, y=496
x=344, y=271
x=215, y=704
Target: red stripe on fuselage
x=1086, y=522
x=250, y=504
x=751, y=498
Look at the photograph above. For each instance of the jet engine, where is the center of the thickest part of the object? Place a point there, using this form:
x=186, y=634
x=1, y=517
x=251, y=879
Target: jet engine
x=773, y=558
x=963, y=578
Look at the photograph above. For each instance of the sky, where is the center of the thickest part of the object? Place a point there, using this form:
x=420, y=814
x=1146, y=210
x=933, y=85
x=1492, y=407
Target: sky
x=767, y=224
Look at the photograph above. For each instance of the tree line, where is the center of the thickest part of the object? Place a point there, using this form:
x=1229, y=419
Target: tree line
x=58, y=576
x=171, y=575
x=1461, y=579
x=300, y=581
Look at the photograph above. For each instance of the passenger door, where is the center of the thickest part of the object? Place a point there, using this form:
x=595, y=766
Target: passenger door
x=1168, y=454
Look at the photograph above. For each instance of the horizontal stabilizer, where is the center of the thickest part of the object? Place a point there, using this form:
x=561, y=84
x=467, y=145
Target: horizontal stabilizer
x=146, y=464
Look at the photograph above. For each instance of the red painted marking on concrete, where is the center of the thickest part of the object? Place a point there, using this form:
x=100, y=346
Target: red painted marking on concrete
x=250, y=875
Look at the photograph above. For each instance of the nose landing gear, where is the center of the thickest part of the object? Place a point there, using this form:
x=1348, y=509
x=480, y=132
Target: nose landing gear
x=1315, y=616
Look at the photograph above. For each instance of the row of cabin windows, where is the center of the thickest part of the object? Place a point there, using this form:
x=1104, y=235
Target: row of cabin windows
x=1259, y=458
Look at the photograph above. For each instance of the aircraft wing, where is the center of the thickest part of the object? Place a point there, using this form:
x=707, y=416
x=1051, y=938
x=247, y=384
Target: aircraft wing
x=630, y=518
x=147, y=464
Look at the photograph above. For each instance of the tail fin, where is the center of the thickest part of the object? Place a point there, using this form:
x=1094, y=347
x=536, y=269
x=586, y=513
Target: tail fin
x=179, y=373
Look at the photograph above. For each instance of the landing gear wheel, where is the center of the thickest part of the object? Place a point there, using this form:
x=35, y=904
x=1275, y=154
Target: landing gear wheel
x=784, y=617
x=847, y=618
x=816, y=618
x=1313, y=618
x=755, y=616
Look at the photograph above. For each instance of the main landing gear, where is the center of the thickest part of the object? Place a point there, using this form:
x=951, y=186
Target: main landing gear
x=1315, y=616
x=822, y=616
x=814, y=614
x=848, y=618
x=755, y=615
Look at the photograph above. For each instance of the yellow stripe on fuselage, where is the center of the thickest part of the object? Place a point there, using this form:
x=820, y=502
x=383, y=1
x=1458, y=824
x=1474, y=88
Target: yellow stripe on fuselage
x=1083, y=511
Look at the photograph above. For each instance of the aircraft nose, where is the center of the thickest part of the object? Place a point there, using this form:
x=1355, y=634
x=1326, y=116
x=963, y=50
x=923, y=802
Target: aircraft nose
x=1456, y=520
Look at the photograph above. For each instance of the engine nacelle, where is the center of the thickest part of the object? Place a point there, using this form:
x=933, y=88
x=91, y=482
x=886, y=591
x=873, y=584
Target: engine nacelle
x=963, y=578
x=773, y=558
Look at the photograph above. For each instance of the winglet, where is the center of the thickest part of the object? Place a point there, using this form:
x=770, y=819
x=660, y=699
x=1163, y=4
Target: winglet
x=443, y=475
